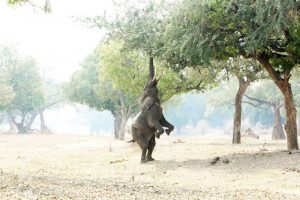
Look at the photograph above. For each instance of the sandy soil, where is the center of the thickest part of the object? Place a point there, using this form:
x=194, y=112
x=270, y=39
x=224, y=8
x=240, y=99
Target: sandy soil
x=97, y=167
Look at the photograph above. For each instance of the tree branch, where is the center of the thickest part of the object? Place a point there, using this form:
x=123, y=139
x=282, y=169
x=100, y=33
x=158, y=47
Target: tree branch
x=258, y=100
x=252, y=104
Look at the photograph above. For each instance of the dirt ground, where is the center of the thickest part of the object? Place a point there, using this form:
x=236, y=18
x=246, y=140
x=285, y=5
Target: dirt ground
x=41, y=166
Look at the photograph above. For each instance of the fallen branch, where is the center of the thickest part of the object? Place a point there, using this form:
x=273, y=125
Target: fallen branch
x=215, y=160
x=117, y=161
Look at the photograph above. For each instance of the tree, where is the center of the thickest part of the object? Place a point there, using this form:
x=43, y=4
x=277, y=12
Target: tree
x=22, y=77
x=86, y=88
x=267, y=95
x=266, y=31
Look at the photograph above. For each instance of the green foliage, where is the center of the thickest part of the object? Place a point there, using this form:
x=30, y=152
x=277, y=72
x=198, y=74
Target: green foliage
x=20, y=81
x=200, y=31
x=86, y=88
x=6, y=96
x=26, y=83
x=139, y=24
x=46, y=7
x=128, y=72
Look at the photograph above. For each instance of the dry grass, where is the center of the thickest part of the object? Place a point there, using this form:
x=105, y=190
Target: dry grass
x=97, y=167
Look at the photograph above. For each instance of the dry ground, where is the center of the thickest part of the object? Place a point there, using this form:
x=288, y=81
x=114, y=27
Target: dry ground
x=97, y=167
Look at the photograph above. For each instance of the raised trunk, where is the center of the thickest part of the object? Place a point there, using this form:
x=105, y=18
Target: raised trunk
x=44, y=128
x=282, y=82
x=151, y=68
x=243, y=85
x=278, y=133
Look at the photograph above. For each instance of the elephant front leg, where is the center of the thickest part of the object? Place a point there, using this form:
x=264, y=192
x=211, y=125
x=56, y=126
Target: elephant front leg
x=150, y=149
x=167, y=124
x=159, y=129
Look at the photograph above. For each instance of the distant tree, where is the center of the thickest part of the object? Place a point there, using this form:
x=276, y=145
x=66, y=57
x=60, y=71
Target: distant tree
x=22, y=76
x=265, y=94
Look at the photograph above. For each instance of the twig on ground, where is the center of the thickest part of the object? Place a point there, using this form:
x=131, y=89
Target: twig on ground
x=117, y=161
x=178, y=141
x=40, y=170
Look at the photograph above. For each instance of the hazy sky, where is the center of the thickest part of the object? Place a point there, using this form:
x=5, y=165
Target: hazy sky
x=54, y=40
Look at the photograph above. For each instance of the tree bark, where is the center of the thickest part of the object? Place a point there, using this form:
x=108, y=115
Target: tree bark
x=117, y=123
x=243, y=85
x=278, y=132
x=291, y=117
x=31, y=119
x=20, y=126
x=44, y=128
x=12, y=126
x=282, y=82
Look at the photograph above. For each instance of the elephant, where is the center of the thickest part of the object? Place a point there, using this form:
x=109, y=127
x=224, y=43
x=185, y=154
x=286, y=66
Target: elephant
x=149, y=122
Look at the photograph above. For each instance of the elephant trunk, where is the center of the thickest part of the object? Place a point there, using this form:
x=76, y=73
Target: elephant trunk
x=151, y=69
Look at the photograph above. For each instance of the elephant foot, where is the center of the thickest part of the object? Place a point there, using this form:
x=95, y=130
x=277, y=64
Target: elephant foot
x=144, y=161
x=157, y=135
x=168, y=131
x=150, y=159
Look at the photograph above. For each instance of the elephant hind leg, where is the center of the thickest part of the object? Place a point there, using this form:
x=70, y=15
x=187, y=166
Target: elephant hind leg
x=143, y=157
x=152, y=144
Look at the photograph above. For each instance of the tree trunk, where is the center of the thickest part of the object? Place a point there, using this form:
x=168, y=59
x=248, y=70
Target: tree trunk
x=122, y=127
x=282, y=82
x=117, y=124
x=291, y=117
x=31, y=119
x=44, y=128
x=298, y=125
x=278, y=133
x=243, y=85
x=12, y=126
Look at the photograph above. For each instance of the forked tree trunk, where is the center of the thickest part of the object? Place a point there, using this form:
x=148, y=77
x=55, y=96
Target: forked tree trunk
x=31, y=119
x=243, y=85
x=278, y=132
x=282, y=82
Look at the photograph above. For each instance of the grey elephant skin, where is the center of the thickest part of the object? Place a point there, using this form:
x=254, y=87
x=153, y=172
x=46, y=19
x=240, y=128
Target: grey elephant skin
x=149, y=122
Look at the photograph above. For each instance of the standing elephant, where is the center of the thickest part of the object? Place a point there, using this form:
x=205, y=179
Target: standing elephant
x=149, y=122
